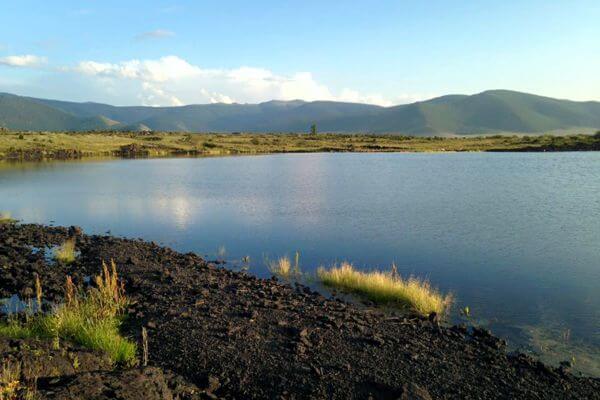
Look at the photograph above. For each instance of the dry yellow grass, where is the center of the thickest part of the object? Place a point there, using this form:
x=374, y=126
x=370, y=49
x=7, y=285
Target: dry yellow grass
x=10, y=380
x=66, y=252
x=386, y=288
x=5, y=217
x=160, y=144
x=282, y=267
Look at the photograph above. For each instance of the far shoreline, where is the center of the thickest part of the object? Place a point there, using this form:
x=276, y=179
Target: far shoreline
x=39, y=146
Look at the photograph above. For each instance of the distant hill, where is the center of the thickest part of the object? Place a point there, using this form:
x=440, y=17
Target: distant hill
x=488, y=112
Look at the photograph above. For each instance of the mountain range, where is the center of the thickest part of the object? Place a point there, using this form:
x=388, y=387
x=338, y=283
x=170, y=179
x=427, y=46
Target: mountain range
x=491, y=111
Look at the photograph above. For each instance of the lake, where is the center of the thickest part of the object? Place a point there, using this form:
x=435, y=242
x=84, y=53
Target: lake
x=514, y=236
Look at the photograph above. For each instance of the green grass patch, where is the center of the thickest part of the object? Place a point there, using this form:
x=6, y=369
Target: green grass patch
x=386, y=288
x=91, y=319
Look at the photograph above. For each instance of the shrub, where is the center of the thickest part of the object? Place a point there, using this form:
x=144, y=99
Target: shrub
x=386, y=288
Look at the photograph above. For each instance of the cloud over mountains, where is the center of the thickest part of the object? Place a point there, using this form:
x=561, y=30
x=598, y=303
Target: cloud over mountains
x=172, y=80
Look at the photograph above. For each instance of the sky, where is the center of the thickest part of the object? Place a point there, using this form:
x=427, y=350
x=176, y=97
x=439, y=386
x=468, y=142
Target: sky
x=167, y=53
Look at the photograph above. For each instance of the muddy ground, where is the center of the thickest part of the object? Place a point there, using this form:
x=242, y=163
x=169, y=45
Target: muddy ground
x=215, y=333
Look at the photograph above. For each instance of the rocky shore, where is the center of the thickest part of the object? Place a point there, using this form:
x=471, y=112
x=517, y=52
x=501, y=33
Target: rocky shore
x=214, y=333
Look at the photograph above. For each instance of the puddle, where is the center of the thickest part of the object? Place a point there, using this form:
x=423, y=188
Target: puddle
x=48, y=252
x=14, y=305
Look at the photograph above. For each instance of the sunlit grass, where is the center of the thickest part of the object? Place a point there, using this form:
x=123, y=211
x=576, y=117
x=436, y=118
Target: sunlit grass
x=12, y=386
x=386, y=288
x=161, y=144
x=6, y=217
x=10, y=380
x=65, y=253
x=283, y=267
x=91, y=319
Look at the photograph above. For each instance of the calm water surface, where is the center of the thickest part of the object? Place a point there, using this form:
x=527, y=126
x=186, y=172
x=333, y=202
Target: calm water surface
x=516, y=237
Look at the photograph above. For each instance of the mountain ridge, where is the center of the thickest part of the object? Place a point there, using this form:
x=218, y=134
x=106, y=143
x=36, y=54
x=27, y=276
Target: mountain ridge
x=491, y=111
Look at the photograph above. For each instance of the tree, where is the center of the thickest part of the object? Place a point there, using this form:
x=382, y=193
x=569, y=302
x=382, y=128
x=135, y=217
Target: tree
x=313, y=129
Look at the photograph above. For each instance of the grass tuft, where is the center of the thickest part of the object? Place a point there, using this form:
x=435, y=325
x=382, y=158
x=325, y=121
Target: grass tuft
x=65, y=253
x=91, y=319
x=6, y=217
x=10, y=380
x=11, y=386
x=386, y=288
x=283, y=268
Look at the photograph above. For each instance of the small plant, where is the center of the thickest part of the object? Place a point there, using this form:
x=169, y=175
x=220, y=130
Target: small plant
x=38, y=292
x=296, y=270
x=65, y=253
x=466, y=311
x=10, y=380
x=144, y=347
x=281, y=267
x=11, y=385
x=386, y=288
x=313, y=129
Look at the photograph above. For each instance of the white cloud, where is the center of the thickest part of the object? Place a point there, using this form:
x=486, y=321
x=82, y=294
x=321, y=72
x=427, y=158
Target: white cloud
x=171, y=81
x=23, y=61
x=155, y=34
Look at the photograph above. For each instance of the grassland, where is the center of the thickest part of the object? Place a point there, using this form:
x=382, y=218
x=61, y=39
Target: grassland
x=28, y=145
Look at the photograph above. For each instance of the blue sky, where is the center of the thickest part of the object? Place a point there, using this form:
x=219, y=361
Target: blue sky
x=385, y=52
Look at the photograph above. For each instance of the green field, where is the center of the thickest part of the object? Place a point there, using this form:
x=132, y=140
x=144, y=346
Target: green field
x=26, y=145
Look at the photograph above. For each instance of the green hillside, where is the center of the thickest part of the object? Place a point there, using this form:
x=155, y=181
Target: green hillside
x=23, y=113
x=488, y=112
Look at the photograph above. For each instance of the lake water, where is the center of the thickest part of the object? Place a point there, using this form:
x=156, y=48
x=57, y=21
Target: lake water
x=515, y=236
